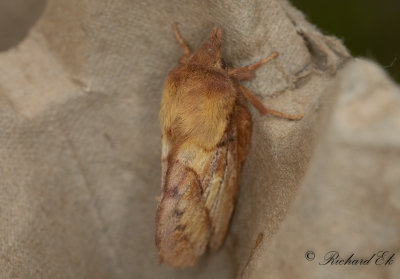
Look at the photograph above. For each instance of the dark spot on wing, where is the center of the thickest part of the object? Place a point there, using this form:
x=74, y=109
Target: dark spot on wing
x=178, y=213
x=172, y=193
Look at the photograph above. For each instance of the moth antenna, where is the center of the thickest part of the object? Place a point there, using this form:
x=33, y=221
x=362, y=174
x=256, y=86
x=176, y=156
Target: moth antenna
x=183, y=45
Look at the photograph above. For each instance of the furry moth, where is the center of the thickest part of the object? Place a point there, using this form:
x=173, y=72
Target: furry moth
x=206, y=131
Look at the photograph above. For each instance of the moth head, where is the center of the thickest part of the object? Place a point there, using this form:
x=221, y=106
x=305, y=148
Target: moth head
x=209, y=54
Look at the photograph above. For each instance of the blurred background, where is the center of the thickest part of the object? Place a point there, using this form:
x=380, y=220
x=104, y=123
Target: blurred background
x=16, y=18
x=368, y=28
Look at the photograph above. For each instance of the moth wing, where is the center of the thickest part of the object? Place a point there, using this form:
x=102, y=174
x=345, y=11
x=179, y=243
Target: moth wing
x=164, y=160
x=199, y=192
x=182, y=222
x=221, y=179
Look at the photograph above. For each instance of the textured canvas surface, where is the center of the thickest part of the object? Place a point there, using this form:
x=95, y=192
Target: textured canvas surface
x=80, y=145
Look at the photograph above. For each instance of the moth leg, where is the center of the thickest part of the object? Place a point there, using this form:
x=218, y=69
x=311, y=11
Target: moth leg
x=182, y=44
x=262, y=109
x=247, y=72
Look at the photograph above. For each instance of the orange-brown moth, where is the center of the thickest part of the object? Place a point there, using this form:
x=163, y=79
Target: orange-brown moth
x=206, y=131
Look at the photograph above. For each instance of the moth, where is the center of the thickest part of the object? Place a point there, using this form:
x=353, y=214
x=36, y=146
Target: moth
x=206, y=132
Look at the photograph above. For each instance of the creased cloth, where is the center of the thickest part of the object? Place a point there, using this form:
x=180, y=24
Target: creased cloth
x=80, y=145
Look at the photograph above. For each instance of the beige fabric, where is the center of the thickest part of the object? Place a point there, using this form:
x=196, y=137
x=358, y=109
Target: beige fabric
x=80, y=145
